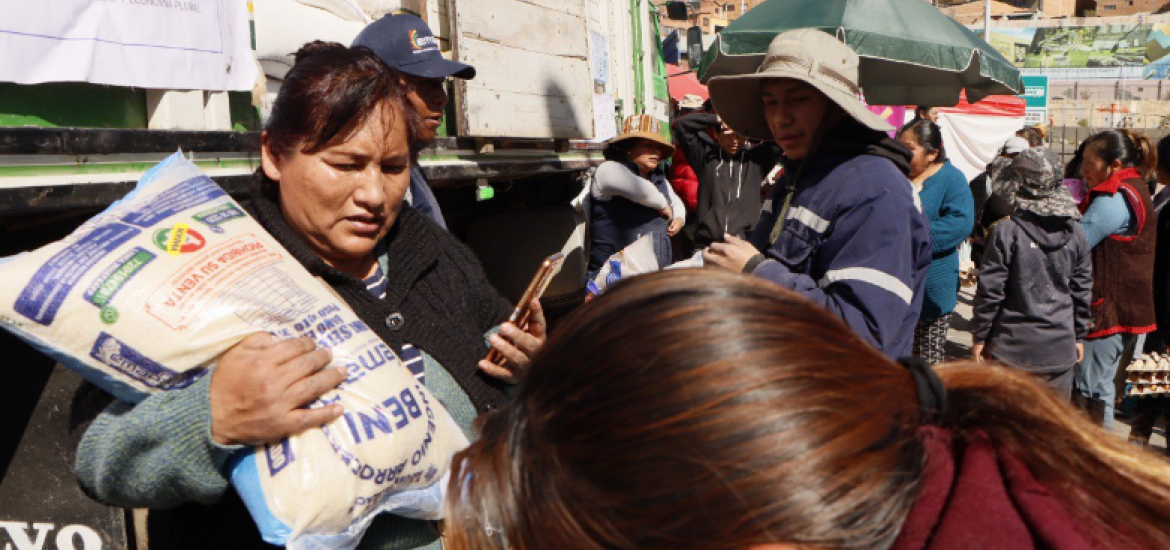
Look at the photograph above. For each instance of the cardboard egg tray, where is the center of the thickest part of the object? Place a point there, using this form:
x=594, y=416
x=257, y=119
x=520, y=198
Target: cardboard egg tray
x=1149, y=375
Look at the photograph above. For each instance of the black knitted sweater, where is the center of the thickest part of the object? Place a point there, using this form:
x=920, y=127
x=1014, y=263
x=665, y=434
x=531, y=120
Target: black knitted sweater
x=436, y=285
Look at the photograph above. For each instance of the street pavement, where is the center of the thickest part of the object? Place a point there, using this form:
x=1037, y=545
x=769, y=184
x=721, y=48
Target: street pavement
x=959, y=347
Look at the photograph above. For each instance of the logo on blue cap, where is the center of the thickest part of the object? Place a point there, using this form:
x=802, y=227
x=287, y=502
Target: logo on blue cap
x=422, y=42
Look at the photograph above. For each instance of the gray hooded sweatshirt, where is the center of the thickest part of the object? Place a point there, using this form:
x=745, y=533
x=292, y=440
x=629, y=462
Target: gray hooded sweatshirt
x=1032, y=304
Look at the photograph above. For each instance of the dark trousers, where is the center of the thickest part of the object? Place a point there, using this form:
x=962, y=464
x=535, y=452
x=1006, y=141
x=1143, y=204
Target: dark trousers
x=1060, y=382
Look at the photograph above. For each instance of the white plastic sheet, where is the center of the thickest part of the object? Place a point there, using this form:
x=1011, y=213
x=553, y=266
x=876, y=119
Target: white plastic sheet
x=162, y=44
x=971, y=141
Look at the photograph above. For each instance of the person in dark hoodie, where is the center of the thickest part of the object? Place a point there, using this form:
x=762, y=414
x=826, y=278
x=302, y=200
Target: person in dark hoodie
x=846, y=229
x=730, y=173
x=1032, y=304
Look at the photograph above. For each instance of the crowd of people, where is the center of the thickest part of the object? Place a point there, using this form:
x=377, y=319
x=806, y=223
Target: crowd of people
x=788, y=395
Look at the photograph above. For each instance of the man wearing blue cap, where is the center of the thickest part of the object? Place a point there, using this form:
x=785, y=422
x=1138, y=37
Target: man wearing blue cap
x=405, y=42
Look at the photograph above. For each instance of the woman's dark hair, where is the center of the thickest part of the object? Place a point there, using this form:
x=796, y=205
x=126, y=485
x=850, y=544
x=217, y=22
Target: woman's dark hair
x=329, y=93
x=617, y=150
x=1133, y=149
x=703, y=410
x=1164, y=154
x=1072, y=170
x=927, y=135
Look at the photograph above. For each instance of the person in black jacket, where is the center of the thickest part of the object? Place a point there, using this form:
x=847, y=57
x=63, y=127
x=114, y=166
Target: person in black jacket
x=730, y=172
x=1148, y=409
x=1032, y=303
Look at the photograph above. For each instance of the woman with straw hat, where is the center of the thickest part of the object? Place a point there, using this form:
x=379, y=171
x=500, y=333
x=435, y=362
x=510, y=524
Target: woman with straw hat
x=631, y=196
x=845, y=229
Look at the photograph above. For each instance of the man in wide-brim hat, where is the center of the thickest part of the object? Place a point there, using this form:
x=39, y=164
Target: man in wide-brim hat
x=845, y=228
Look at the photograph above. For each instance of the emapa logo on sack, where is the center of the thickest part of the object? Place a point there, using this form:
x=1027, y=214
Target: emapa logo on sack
x=22, y=536
x=180, y=239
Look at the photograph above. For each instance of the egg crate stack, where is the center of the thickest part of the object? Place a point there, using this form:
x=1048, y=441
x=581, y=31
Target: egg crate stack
x=1149, y=375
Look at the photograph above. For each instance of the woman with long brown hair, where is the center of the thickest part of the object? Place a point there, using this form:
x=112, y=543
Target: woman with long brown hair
x=705, y=410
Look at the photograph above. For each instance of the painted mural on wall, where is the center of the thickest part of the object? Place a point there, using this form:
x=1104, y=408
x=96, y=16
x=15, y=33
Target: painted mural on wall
x=1106, y=51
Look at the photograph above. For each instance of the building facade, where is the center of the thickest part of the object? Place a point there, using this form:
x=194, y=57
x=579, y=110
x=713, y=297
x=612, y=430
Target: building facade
x=710, y=15
x=1110, y=8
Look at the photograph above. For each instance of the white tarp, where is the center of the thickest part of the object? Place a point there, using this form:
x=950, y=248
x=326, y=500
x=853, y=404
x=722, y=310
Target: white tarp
x=971, y=141
x=164, y=44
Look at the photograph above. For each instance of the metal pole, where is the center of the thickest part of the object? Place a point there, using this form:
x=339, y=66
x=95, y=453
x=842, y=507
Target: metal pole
x=987, y=21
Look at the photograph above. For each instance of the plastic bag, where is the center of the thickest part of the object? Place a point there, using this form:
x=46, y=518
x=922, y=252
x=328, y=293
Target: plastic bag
x=636, y=259
x=145, y=296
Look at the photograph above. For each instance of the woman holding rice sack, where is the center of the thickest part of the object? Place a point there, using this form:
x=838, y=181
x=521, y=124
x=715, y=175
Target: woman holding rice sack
x=336, y=157
x=756, y=420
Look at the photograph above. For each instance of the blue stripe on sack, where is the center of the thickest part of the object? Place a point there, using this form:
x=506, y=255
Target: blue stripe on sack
x=413, y=359
x=246, y=479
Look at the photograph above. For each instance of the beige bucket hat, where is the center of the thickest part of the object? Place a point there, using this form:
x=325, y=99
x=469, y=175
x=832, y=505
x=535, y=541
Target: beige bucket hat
x=808, y=55
x=645, y=127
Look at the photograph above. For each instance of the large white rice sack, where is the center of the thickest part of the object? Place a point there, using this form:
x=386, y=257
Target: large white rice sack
x=145, y=296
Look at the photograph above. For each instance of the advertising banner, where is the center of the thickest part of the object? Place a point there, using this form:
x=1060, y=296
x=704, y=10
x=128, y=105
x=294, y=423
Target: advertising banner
x=1074, y=53
x=162, y=44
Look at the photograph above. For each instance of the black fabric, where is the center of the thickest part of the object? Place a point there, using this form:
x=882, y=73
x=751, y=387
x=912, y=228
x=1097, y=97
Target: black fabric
x=435, y=283
x=1160, y=338
x=729, y=185
x=995, y=209
x=753, y=263
x=932, y=395
x=980, y=191
x=616, y=223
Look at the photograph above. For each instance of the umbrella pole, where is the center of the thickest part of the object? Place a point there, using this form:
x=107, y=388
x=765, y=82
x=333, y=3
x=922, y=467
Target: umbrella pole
x=987, y=21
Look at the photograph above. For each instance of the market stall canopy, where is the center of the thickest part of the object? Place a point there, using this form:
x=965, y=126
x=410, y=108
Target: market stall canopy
x=683, y=82
x=911, y=54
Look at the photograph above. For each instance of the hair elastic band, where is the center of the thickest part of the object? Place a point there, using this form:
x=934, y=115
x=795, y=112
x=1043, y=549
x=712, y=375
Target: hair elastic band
x=932, y=395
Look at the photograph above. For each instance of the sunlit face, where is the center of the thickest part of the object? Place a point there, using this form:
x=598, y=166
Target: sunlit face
x=794, y=111
x=1094, y=169
x=645, y=154
x=344, y=198
x=428, y=96
x=921, y=159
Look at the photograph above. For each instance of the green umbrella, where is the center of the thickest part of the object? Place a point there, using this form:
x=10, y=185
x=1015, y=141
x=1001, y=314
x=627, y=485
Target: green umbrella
x=911, y=54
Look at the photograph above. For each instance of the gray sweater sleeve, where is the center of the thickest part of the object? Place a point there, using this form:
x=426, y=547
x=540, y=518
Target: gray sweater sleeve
x=1081, y=284
x=993, y=274
x=155, y=454
x=614, y=180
